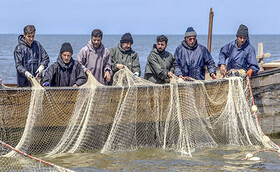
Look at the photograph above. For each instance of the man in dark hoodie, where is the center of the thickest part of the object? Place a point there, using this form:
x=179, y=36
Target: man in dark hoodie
x=240, y=54
x=160, y=63
x=123, y=55
x=30, y=57
x=65, y=72
x=191, y=58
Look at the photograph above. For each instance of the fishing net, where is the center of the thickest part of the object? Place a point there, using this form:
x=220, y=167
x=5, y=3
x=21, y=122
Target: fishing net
x=132, y=114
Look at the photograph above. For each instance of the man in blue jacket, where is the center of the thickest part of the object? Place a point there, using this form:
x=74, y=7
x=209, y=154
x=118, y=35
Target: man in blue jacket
x=239, y=53
x=191, y=58
x=30, y=57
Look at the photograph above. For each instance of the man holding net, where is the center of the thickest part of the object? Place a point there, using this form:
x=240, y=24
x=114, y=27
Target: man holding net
x=65, y=72
x=160, y=63
x=123, y=56
x=191, y=59
x=95, y=58
x=239, y=53
x=30, y=57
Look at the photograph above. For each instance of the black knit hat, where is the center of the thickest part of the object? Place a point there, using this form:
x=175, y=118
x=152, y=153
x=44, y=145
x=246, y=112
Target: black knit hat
x=66, y=46
x=126, y=38
x=242, y=31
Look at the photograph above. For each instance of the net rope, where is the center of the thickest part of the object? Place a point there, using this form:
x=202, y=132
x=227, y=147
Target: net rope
x=133, y=113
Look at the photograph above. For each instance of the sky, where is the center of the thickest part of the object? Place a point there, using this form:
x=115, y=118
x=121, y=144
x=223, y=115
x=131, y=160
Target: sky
x=139, y=16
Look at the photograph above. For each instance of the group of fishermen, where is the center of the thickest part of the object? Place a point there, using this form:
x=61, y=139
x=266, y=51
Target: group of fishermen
x=188, y=62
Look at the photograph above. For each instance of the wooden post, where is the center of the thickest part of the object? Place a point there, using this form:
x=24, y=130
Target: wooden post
x=211, y=14
x=261, y=56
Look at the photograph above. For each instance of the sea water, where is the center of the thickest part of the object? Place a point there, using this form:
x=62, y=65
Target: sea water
x=142, y=45
x=228, y=158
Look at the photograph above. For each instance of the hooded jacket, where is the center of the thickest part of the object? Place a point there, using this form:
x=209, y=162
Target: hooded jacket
x=239, y=58
x=158, y=65
x=96, y=60
x=191, y=61
x=60, y=74
x=29, y=59
x=128, y=58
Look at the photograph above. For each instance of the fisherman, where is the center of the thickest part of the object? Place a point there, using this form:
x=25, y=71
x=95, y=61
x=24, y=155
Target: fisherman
x=95, y=58
x=30, y=57
x=191, y=59
x=160, y=63
x=1, y=83
x=65, y=71
x=240, y=54
x=123, y=55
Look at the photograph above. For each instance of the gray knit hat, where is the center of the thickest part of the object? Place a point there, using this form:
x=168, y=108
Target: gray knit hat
x=190, y=32
x=242, y=31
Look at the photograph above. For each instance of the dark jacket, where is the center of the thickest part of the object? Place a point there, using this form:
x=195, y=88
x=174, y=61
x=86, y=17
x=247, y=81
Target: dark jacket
x=191, y=61
x=60, y=74
x=158, y=65
x=239, y=58
x=29, y=59
x=128, y=58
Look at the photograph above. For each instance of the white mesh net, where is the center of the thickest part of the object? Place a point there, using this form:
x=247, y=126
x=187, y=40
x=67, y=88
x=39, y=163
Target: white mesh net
x=131, y=114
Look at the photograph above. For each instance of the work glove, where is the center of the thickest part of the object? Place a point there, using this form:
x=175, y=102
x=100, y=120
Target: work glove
x=46, y=84
x=28, y=75
x=39, y=70
x=249, y=73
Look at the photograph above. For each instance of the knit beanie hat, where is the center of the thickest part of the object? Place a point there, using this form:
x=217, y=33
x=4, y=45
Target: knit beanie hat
x=126, y=38
x=66, y=46
x=242, y=31
x=190, y=32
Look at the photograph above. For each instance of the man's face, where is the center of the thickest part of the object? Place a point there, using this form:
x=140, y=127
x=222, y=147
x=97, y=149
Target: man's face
x=29, y=38
x=66, y=56
x=96, y=41
x=191, y=40
x=126, y=46
x=241, y=40
x=161, y=46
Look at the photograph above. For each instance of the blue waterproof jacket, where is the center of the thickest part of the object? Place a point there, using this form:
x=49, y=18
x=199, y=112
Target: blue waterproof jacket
x=239, y=58
x=29, y=59
x=191, y=61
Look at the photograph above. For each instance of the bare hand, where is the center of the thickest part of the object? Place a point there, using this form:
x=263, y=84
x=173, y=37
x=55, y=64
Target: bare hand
x=120, y=66
x=213, y=76
x=223, y=70
x=107, y=76
x=188, y=78
x=181, y=76
x=75, y=85
x=170, y=74
x=88, y=72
